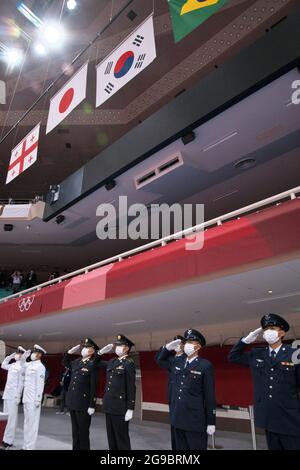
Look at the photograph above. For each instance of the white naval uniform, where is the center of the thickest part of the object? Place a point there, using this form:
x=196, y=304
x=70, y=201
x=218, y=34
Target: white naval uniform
x=12, y=396
x=32, y=397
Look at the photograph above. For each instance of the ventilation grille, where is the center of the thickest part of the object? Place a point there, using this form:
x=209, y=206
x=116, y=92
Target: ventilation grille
x=173, y=162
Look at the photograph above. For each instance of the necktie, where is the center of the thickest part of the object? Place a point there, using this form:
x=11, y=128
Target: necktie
x=273, y=356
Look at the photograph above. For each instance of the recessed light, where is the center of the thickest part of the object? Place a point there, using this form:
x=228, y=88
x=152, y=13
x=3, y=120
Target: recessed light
x=245, y=164
x=270, y=292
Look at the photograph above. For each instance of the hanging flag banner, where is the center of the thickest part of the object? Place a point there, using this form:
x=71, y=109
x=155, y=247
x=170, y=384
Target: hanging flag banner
x=68, y=98
x=187, y=15
x=24, y=155
x=129, y=59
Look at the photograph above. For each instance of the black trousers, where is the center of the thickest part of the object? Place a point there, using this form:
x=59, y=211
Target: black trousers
x=81, y=422
x=63, y=400
x=282, y=442
x=173, y=438
x=117, y=432
x=187, y=440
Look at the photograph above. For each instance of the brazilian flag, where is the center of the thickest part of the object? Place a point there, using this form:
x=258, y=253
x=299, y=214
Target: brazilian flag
x=189, y=14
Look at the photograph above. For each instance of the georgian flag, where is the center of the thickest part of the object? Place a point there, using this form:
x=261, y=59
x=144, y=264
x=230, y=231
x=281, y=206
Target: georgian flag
x=24, y=154
x=130, y=58
x=68, y=98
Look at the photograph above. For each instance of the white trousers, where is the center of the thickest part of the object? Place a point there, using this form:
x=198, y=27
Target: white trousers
x=31, y=425
x=11, y=408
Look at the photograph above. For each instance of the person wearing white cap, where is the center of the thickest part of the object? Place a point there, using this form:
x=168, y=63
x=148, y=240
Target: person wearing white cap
x=12, y=394
x=32, y=396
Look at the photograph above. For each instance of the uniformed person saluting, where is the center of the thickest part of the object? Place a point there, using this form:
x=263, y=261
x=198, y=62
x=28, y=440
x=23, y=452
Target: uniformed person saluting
x=119, y=394
x=12, y=393
x=168, y=362
x=276, y=383
x=34, y=384
x=193, y=404
x=81, y=396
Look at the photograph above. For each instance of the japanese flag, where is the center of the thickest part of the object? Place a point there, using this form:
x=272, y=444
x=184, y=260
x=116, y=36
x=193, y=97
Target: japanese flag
x=67, y=99
x=129, y=59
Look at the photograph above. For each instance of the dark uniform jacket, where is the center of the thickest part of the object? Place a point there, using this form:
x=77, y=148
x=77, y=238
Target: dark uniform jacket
x=120, y=389
x=82, y=390
x=276, y=387
x=168, y=362
x=193, y=403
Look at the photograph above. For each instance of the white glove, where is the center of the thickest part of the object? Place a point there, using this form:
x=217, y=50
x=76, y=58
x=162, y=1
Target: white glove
x=171, y=346
x=74, y=350
x=106, y=349
x=25, y=356
x=91, y=411
x=211, y=430
x=129, y=415
x=11, y=356
x=37, y=404
x=251, y=336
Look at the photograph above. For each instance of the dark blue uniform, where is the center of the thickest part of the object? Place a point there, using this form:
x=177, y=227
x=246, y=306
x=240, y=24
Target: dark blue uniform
x=168, y=362
x=276, y=393
x=193, y=403
x=119, y=397
x=81, y=395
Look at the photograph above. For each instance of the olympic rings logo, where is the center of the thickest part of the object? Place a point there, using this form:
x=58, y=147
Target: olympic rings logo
x=25, y=304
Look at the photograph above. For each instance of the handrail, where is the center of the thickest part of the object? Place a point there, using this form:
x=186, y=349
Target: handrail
x=292, y=194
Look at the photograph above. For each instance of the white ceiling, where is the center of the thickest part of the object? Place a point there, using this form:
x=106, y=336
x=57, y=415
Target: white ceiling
x=238, y=298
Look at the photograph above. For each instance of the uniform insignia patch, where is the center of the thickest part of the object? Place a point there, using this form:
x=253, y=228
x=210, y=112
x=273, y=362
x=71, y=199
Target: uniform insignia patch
x=260, y=360
x=84, y=369
x=178, y=368
x=291, y=364
x=195, y=372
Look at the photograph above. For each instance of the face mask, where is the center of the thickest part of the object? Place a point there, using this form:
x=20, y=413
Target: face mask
x=17, y=357
x=271, y=336
x=178, y=348
x=119, y=351
x=189, y=349
x=33, y=357
x=85, y=352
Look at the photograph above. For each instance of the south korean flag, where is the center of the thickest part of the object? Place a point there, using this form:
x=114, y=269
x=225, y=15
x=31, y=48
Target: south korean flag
x=126, y=61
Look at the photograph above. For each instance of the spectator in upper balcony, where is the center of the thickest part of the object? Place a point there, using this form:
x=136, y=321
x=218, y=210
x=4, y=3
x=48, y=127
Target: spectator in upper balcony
x=17, y=279
x=2, y=279
x=54, y=275
x=31, y=279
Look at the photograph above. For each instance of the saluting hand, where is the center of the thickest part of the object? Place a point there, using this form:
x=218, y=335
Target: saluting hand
x=172, y=345
x=251, y=336
x=74, y=350
x=25, y=356
x=106, y=349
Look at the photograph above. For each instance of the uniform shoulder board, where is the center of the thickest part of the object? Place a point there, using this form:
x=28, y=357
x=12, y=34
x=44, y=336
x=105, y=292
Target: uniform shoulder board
x=129, y=359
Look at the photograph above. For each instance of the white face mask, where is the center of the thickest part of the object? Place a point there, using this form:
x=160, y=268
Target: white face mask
x=178, y=348
x=119, y=351
x=271, y=336
x=17, y=357
x=85, y=352
x=189, y=349
x=33, y=357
